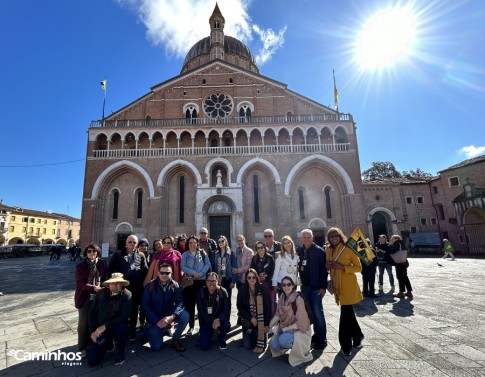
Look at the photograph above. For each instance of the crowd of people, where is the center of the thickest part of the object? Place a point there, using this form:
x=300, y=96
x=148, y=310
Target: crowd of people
x=154, y=293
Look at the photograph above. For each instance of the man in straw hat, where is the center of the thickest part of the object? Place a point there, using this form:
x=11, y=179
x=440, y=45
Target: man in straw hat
x=108, y=320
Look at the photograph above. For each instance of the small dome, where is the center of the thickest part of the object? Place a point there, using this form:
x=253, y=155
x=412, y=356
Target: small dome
x=232, y=46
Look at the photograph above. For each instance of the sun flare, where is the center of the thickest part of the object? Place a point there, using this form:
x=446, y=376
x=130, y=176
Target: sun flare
x=387, y=37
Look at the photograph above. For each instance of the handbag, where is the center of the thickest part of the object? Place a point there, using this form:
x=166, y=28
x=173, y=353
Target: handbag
x=329, y=281
x=400, y=256
x=187, y=281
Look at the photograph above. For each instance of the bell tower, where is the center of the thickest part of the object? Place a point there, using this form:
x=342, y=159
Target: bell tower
x=216, y=22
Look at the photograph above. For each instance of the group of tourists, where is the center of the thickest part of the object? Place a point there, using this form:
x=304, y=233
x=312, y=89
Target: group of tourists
x=279, y=294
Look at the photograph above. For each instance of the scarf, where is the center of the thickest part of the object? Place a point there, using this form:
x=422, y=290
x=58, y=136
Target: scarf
x=222, y=264
x=93, y=277
x=172, y=257
x=257, y=311
x=285, y=309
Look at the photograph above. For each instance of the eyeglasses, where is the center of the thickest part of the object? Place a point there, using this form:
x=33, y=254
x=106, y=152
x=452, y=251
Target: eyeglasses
x=251, y=277
x=89, y=251
x=130, y=242
x=167, y=243
x=202, y=232
x=164, y=272
x=221, y=241
x=260, y=248
x=268, y=236
x=286, y=284
x=211, y=281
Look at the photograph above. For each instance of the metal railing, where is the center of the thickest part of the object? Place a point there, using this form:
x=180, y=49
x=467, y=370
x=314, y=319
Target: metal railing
x=231, y=150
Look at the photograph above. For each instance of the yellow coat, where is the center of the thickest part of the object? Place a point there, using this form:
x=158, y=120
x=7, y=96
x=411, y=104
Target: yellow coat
x=346, y=287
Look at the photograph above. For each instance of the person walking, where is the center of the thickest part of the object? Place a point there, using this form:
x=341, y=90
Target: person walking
x=448, y=249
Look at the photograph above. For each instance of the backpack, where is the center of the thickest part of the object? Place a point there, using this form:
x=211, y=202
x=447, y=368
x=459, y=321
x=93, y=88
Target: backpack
x=307, y=308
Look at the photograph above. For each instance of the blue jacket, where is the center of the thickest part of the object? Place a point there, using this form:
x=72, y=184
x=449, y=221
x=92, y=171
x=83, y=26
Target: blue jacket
x=314, y=274
x=199, y=263
x=158, y=302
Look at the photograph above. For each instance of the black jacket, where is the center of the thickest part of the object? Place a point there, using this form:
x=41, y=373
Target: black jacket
x=221, y=306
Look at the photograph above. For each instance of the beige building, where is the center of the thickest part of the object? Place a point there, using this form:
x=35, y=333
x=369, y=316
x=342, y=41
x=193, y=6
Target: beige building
x=225, y=147
x=26, y=226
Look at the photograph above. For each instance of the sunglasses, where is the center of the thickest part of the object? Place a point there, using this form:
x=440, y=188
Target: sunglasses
x=268, y=236
x=203, y=233
x=89, y=251
x=167, y=243
x=164, y=273
x=260, y=248
x=286, y=284
x=251, y=277
x=221, y=241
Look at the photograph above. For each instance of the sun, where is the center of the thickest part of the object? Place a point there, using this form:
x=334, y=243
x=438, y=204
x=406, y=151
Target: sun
x=386, y=38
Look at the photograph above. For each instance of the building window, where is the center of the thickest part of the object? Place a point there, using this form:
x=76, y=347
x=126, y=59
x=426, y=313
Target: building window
x=433, y=221
x=423, y=221
x=139, y=204
x=256, y=198
x=191, y=114
x=38, y=221
x=440, y=211
x=301, y=201
x=12, y=228
x=25, y=220
x=44, y=231
x=413, y=229
x=12, y=218
x=54, y=222
x=435, y=189
x=218, y=105
x=31, y=230
x=454, y=181
x=24, y=229
x=328, y=205
x=53, y=231
x=32, y=220
x=181, y=199
x=116, y=201
x=409, y=200
x=420, y=200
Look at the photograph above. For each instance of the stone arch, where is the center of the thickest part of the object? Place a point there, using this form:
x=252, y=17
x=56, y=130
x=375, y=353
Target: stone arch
x=128, y=164
x=391, y=224
x=316, y=223
x=124, y=227
x=337, y=167
x=255, y=161
x=191, y=106
x=168, y=167
x=219, y=160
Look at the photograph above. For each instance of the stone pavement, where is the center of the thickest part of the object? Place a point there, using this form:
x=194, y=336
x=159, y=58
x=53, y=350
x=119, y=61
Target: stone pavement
x=441, y=332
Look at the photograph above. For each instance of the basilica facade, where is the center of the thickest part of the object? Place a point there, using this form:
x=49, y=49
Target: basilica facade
x=225, y=147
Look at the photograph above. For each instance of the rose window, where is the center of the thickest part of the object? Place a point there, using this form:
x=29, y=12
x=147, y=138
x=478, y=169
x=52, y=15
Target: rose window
x=218, y=105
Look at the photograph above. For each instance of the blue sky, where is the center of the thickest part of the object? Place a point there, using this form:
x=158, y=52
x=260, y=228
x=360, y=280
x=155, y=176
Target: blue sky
x=423, y=109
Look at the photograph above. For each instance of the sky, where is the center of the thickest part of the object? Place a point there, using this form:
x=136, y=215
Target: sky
x=411, y=73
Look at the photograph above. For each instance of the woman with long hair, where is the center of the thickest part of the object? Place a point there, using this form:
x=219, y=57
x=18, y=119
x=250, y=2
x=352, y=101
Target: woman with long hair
x=264, y=265
x=396, y=244
x=165, y=253
x=342, y=264
x=180, y=245
x=287, y=263
x=196, y=263
x=294, y=331
x=91, y=272
x=223, y=265
x=253, y=308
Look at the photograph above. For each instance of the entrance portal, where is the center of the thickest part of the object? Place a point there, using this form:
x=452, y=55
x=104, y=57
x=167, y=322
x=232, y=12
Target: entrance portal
x=220, y=225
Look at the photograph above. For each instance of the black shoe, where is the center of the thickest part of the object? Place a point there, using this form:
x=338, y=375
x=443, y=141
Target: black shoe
x=222, y=345
x=359, y=343
x=320, y=345
x=120, y=359
x=342, y=352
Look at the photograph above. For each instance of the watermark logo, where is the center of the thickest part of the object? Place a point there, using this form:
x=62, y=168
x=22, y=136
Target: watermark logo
x=67, y=358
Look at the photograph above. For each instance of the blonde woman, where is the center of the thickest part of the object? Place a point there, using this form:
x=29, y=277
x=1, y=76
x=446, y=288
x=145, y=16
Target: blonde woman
x=286, y=264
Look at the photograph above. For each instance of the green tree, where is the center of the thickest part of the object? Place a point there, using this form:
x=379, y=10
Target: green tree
x=381, y=170
x=418, y=173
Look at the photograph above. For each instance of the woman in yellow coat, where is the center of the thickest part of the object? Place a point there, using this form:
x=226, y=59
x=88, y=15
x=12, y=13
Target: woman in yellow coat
x=342, y=264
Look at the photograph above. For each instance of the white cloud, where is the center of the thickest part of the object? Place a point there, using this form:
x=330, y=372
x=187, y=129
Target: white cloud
x=472, y=151
x=178, y=24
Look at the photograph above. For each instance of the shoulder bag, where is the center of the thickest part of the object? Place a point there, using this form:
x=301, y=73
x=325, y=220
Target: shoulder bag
x=329, y=281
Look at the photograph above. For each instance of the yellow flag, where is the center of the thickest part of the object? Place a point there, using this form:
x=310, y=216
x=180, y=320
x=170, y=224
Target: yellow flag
x=103, y=85
x=335, y=93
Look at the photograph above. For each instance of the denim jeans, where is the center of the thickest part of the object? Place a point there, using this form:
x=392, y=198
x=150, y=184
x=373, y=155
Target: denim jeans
x=155, y=334
x=282, y=341
x=388, y=268
x=206, y=332
x=314, y=300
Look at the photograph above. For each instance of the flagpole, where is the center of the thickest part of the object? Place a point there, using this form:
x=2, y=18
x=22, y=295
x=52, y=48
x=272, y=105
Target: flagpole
x=104, y=103
x=103, y=86
x=335, y=92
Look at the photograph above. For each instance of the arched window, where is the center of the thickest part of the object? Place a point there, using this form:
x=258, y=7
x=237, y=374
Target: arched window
x=116, y=200
x=245, y=110
x=139, y=204
x=190, y=114
x=256, y=198
x=181, y=199
x=328, y=204
x=301, y=200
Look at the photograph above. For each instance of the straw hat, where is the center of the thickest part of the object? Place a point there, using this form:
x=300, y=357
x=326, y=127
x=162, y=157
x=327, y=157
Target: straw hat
x=116, y=277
